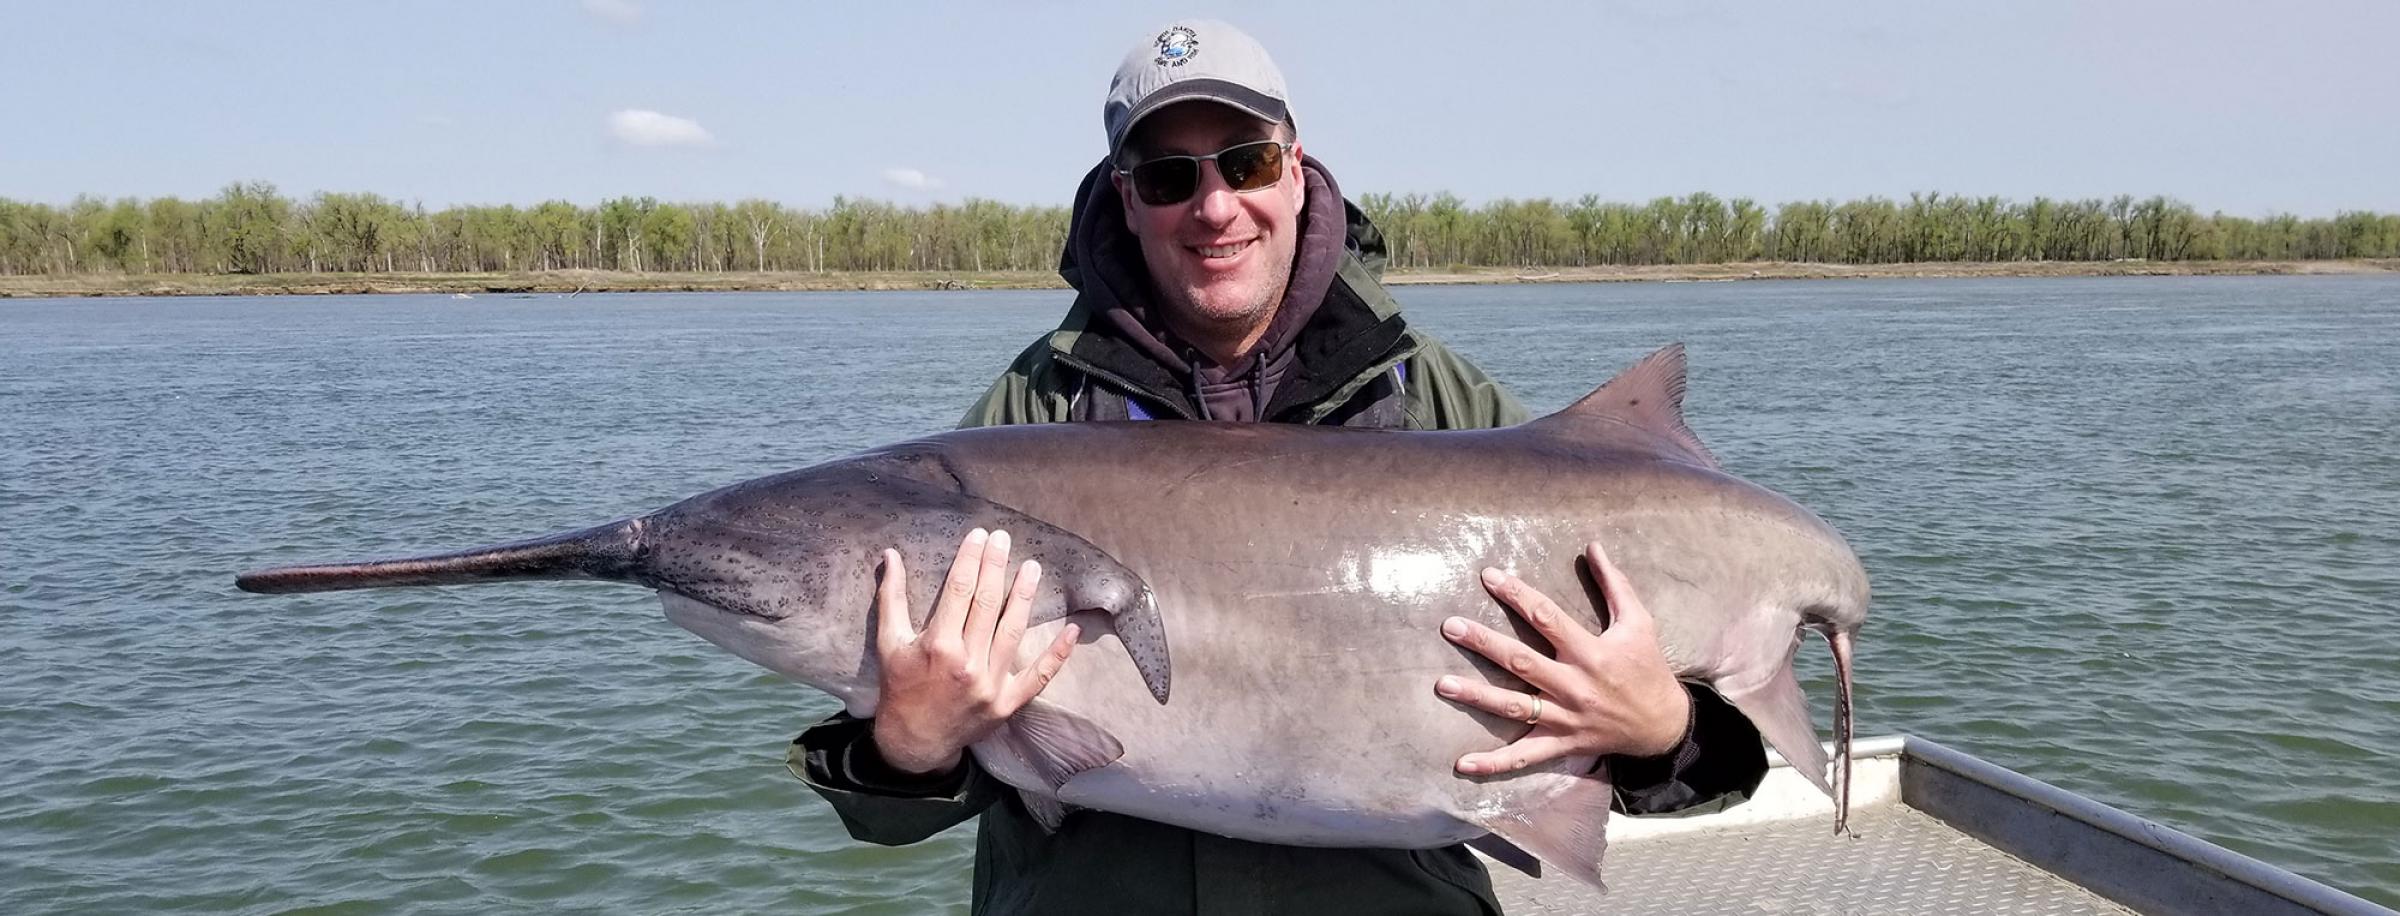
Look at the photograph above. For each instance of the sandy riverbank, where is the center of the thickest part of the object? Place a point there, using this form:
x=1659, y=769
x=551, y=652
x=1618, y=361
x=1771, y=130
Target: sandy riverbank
x=600, y=281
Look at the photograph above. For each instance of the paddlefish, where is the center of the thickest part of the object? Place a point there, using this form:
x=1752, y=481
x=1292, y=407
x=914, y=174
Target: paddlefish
x=1259, y=604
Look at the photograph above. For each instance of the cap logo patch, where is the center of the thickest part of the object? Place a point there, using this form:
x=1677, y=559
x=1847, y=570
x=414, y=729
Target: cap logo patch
x=1177, y=46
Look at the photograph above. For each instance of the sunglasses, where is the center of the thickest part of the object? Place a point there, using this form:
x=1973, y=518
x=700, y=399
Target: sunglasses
x=1168, y=180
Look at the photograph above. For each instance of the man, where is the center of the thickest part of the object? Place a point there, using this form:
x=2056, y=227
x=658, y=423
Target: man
x=1220, y=275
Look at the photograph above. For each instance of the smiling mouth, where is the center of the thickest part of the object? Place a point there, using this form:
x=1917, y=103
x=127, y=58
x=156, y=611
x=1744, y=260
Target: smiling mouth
x=1221, y=251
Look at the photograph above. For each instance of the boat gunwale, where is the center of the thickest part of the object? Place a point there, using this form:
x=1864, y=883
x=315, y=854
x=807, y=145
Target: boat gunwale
x=1976, y=797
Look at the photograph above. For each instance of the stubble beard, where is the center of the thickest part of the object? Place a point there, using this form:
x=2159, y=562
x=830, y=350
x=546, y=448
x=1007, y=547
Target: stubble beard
x=1222, y=320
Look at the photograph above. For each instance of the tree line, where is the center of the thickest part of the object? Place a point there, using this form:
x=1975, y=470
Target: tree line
x=251, y=228
x=1427, y=232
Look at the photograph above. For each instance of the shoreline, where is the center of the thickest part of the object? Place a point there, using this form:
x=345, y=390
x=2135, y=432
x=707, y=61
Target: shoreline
x=598, y=281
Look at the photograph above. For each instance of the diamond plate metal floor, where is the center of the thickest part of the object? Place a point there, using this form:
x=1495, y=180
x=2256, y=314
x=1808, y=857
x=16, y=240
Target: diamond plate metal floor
x=1902, y=861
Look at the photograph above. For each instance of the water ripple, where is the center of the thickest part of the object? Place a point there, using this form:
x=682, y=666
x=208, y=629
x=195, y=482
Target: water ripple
x=2144, y=552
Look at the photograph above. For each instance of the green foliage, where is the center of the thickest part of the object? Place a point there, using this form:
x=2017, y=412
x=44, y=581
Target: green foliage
x=250, y=228
x=247, y=229
x=1703, y=229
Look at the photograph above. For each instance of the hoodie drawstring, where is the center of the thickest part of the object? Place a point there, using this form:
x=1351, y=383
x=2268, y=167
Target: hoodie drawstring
x=1191, y=369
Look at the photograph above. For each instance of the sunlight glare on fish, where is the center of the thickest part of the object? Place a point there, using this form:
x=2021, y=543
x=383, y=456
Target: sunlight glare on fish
x=1402, y=574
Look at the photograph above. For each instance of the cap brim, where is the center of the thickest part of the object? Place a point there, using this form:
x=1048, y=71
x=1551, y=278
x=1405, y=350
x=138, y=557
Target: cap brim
x=1249, y=101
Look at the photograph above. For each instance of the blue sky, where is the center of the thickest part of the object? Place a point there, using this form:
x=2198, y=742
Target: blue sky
x=2246, y=107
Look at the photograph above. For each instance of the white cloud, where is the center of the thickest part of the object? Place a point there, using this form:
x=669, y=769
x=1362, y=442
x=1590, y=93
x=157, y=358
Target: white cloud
x=911, y=179
x=621, y=12
x=649, y=128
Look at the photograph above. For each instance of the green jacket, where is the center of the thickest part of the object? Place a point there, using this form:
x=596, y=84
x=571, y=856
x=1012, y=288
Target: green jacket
x=1359, y=364
x=1057, y=378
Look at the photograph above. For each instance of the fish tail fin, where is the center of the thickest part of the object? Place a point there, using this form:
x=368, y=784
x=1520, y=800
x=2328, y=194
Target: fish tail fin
x=1840, y=641
x=608, y=551
x=1780, y=711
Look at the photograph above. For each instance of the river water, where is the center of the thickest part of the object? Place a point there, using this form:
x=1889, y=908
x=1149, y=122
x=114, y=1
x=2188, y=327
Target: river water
x=2139, y=538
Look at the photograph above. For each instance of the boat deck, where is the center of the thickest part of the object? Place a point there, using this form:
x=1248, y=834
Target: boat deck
x=1936, y=831
x=1902, y=861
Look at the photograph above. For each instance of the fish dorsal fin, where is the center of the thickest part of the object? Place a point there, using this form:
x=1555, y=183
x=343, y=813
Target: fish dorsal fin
x=1647, y=397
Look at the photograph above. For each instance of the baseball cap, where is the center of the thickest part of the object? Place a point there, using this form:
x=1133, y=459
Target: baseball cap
x=1193, y=59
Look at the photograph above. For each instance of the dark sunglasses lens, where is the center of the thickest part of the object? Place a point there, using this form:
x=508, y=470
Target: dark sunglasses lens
x=1166, y=181
x=1249, y=168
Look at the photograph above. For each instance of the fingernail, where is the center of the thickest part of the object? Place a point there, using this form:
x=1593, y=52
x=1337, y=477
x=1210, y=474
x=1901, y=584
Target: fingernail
x=1467, y=766
x=1493, y=576
x=1000, y=539
x=1447, y=686
x=975, y=535
x=1455, y=627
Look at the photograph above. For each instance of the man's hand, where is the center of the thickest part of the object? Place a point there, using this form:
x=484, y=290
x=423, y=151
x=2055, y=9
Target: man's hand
x=1605, y=693
x=951, y=686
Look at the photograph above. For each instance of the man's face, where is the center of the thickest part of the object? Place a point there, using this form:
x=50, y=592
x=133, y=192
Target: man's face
x=1221, y=258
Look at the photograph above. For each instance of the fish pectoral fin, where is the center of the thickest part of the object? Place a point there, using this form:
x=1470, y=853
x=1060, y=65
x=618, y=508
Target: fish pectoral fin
x=1047, y=811
x=1566, y=827
x=1507, y=853
x=1781, y=713
x=1059, y=744
x=1076, y=574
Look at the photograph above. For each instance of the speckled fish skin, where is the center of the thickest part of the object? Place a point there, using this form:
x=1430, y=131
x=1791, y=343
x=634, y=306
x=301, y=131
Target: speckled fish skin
x=1294, y=578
